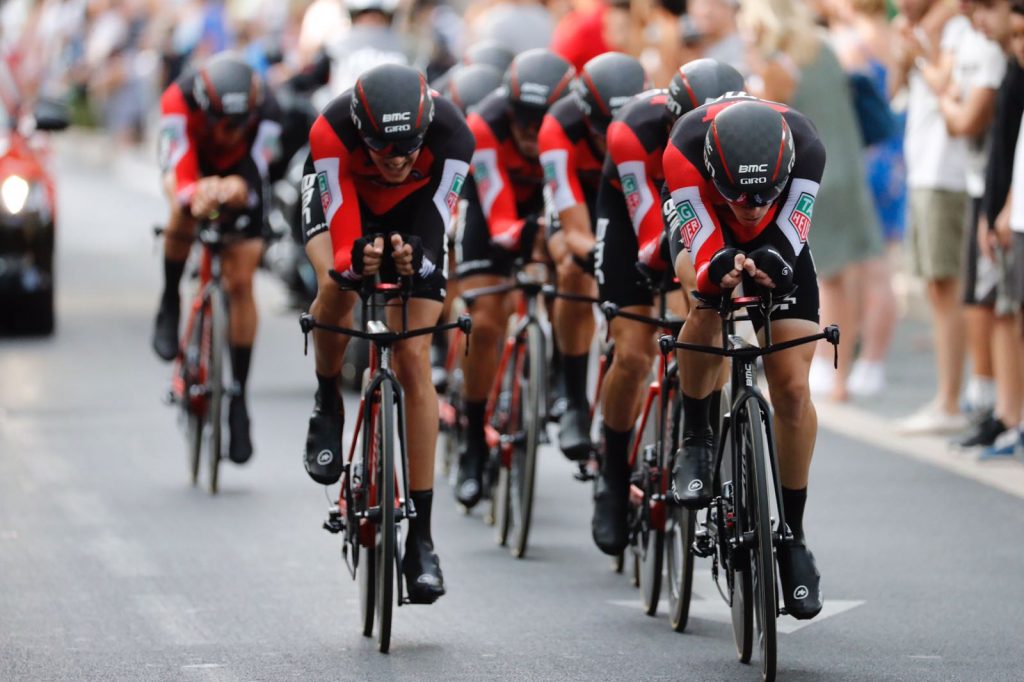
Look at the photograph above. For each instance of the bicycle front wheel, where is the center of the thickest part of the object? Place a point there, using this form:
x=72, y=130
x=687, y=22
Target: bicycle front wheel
x=218, y=328
x=762, y=553
x=524, y=461
x=738, y=561
x=386, y=530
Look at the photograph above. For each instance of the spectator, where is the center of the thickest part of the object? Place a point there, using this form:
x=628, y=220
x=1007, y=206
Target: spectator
x=519, y=25
x=592, y=28
x=716, y=34
x=794, y=64
x=936, y=162
x=863, y=40
x=999, y=238
x=967, y=107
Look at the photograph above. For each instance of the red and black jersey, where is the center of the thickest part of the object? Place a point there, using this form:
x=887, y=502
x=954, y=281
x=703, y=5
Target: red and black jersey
x=636, y=143
x=187, y=149
x=571, y=163
x=706, y=224
x=510, y=187
x=342, y=190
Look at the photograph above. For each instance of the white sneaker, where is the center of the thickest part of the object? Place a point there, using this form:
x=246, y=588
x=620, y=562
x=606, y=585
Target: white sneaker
x=866, y=378
x=822, y=377
x=932, y=420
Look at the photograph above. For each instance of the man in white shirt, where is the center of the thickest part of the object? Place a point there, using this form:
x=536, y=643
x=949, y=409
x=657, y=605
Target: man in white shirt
x=936, y=164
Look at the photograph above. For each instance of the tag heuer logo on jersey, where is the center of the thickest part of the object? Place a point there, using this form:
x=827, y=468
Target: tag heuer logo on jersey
x=800, y=218
x=483, y=179
x=452, y=198
x=550, y=174
x=691, y=223
x=325, y=190
x=631, y=190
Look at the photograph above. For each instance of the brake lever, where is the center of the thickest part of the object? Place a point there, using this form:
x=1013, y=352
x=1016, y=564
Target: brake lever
x=306, y=324
x=466, y=325
x=831, y=333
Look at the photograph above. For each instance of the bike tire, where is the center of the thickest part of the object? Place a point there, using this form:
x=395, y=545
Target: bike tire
x=524, y=463
x=366, y=576
x=215, y=383
x=386, y=531
x=194, y=417
x=650, y=534
x=504, y=413
x=679, y=559
x=762, y=557
x=741, y=594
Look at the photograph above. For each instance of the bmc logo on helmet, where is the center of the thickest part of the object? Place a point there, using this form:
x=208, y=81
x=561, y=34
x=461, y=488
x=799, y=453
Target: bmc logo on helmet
x=753, y=168
x=401, y=116
x=234, y=102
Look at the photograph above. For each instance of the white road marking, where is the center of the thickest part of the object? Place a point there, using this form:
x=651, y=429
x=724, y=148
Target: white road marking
x=860, y=425
x=715, y=609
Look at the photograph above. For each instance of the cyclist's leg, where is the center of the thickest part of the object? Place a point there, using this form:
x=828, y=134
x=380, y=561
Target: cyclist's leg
x=331, y=306
x=179, y=234
x=412, y=366
x=796, y=428
x=239, y=265
x=699, y=375
x=478, y=267
x=574, y=333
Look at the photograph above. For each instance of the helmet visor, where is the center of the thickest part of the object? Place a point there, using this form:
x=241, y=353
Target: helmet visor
x=743, y=197
x=404, y=147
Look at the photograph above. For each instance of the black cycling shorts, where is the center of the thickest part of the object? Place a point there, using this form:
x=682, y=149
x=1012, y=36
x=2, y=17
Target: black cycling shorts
x=474, y=252
x=251, y=222
x=618, y=279
x=802, y=304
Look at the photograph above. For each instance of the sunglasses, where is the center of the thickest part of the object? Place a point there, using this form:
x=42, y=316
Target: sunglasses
x=527, y=117
x=393, y=148
x=232, y=123
x=751, y=199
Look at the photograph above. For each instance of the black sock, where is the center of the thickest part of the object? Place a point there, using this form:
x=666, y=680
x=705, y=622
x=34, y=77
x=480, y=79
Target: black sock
x=696, y=416
x=240, y=358
x=419, y=527
x=327, y=390
x=173, y=270
x=575, y=369
x=793, y=502
x=615, y=462
x=475, y=410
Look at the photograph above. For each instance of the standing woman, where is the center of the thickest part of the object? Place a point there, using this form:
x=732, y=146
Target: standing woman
x=863, y=40
x=790, y=61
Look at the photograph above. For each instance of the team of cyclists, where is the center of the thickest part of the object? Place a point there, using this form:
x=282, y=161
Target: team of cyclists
x=622, y=188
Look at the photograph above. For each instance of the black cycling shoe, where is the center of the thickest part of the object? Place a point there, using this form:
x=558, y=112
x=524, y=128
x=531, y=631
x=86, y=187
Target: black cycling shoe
x=609, y=526
x=469, y=480
x=692, y=474
x=240, y=445
x=422, y=569
x=165, y=332
x=574, y=433
x=801, y=582
x=983, y=434
x=324, y=463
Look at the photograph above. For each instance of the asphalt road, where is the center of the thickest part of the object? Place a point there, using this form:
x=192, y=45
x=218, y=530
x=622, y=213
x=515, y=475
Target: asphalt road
x=113, y=567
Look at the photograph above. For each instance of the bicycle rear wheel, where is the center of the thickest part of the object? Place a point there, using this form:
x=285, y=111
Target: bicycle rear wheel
x=218, y=325
x=386, y=530
x=523, y=472
x=762, y=554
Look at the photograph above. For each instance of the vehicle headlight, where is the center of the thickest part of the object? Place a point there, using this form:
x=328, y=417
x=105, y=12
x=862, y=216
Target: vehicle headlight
x=14, y=193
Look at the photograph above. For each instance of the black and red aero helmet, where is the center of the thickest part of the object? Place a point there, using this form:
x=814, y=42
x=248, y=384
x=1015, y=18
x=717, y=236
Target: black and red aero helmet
x=490, y=53
x=748, y=150
x=700, y=81
x=392, y=107
x=605, y=84
x=534, y=81
x=471, y=84
x=226, y=87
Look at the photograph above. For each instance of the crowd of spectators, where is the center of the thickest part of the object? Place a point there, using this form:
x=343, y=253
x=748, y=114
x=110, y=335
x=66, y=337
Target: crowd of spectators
x=918, y=101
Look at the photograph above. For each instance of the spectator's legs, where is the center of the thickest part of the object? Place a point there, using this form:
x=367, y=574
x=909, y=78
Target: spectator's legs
x=840, y=304
x=950, y=341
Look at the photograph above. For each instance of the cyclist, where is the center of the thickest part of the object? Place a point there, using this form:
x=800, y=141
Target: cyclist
x=371, y=41
x=505, y=204
x=743, y=175
x=572, y=149
x=631, y=230
x=219, y=132
x=386, y=156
